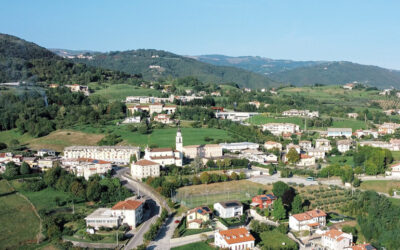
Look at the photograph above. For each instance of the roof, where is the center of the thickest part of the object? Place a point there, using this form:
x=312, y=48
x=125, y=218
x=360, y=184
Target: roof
x=271, y=142
x=309, y=215
x=340, y=130
x=344, y=142
x=336, y=234
x=304, y=156
x=127, y=205
x=201, y=210
x=363, y=247
x=145, y=163
x=93, y=161
x=228, y=204
x=160, y=149
x=236, y=235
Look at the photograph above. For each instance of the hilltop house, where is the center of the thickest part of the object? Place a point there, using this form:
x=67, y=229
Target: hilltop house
x=233, y=239
x=228, y=209
x=196, y=217
x=308, y=220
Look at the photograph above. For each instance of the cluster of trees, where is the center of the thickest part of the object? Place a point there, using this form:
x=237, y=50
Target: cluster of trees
x=378, y=218
x=13, y=170
x=155, y=227
x=346, y=173
x=372, y=160
x=288, y=201
x=39, y=113
x=104, y=190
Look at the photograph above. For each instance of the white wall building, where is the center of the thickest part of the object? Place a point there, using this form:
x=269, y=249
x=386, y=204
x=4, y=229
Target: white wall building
x=234, y=239
x=336, y=240
x=307, y=220
x=323, y=144
x=235, y=116
x=300, y=113
x=145, y=168
x=340, y=132
x=281, y=128
x=270, y=145
x=116, y=154
x=239, y=146
x=344, y=145
x=228, y=209
x=132, y=119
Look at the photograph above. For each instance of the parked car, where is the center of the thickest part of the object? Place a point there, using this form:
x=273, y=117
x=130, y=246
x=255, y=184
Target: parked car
x=310, y=179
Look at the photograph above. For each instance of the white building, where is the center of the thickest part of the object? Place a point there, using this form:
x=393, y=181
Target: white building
x=281, y=128
x=300, y=113
x=377, y=144
x=132, y=119
x=203, y=151
x=228, y=209
x=366, y=132
x=307, y=220
x=306, y=160
x=317, y=153
x=305, y=145
x=291, y=145
x=233, y=239
x=323, y=144
x=344, y=145
x=352, y=115
x=47, y=162
x=163, y=118
x=339, y=132
x=47, y=152
x=395, y=170
x=336, y=240
x=145, y=168
x=115, y=154
x=235, y=116
x=388, y=128
x=270, y=145
x=239, y=146
x=128, y=212
x=87, y=167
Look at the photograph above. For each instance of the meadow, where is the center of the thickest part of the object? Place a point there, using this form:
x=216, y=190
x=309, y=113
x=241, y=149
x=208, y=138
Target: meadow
x=16, y=213
x=382, y=186
x=118, y=92
x=194, y=246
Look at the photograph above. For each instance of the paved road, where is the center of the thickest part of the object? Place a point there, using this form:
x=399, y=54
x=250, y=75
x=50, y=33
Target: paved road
x=166, y=233
x=153, y=206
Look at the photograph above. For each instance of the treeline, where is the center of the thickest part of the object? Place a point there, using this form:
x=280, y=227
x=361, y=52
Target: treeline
x=38, y=114
x=371, y=160
x=378, y=218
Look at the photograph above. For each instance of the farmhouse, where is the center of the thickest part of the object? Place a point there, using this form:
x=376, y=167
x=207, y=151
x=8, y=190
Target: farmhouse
x=128, y=212
x=228, y=209
x=339, y=132
x=335, y=239
x=196, y=217
x=145, y=168
x=307, y=220
x=237, y=238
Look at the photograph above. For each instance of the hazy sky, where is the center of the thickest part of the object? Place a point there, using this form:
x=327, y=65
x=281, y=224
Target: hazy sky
x=363, y=31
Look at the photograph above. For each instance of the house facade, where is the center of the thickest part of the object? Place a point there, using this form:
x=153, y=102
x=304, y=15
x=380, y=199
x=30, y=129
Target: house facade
x=234, y=239
x=269, y=145
x=340, y=132
x=203, y=151
x=281, y=128
x=145, y=168
x=228, y=209
x=263, y=201
x=335, y=240
x=196, y=217
x=115, y=154
x=344, y=145
x=307, y=220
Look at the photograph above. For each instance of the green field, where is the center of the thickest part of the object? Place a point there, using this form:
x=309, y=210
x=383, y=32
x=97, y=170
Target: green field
x=380, y=185
x=19, y=224
x=262, y=119
x=8, y=135
x=341, y=160
x=275, y=240
x=348, y=123
x=118, y=92
x=194, y=246
x=396, y=155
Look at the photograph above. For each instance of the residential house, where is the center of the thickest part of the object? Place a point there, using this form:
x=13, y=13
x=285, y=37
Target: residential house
x=305, y=145
x=352, y=115
x=336, y=240
x=365, y=246
x=46, y=152
x=270, y=145
x=344, y=145
x=31, y=161
x=47, y=162
x=132, y=119
x=233, y=239
x=235, y=116
x=128, y=212
x=218, y=109
x=395, y=171
x=145, y=168
x=163, y=118
x=323, y=144
x=377, y=144
x=291, y=145
x=239, y=146
x=263, y=201
x=317, y=153
x=300, y=113
x=79, y=88
x=308, y=220
x=340, y=132
x=306, y=160
x=281, y=128
x=349, y=86
x=6, y=157
x=87, y=167
x=228, y=209
x=196, y=217
x=366, y=132
x=388, y=128
x=255, y=103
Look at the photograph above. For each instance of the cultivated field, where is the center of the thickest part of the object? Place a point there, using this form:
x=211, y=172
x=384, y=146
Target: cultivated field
x=15, y=214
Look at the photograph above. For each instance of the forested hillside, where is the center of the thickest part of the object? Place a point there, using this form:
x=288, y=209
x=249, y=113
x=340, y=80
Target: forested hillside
x=340, y=73
x=156, y=64
x=256, y=64
x=22, y=60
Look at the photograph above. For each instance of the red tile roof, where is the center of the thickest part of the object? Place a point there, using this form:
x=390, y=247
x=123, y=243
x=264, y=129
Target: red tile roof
x=160, y=149
x=309, y=215
x=145, y=163
x=236, y=235
x=127, y=205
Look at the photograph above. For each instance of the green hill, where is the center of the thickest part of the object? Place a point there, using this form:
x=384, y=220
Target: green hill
x=156, y=64
x=22, y=60
x=256, y=64
x=340, y=73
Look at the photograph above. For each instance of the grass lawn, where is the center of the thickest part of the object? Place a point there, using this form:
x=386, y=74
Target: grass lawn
x=348, y=123
x=262, y=119
x=197, y=195
x=396, y=155
x=395, y=201
x=8, y=135
x=380, y=185
x=19, y=223
x=274, y=240
x=194, y=246
x=118, y=92
x=341, y=160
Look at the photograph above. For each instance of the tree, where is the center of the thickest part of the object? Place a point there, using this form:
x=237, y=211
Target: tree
x=234, y=176
x=14, y=143
x=293, y=157
x=196, y=180
x=266, y=212
x=93, y=191
x=11, y=170
x=279, y=188
x=297, y=205
x=279, y=211
x=197, y=163
x=210, y=164
x=3, y=145
x=205, y=178
x=77, y=189
x=371, y=168
x=25, y=168
x=242, y=175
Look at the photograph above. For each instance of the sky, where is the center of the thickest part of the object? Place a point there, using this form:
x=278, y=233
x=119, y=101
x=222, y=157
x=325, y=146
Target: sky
x=362, y=31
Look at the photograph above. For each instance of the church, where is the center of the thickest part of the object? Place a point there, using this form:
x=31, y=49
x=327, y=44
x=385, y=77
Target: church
x=167, y=156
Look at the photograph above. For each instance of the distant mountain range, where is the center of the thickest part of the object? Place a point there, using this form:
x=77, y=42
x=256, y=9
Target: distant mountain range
x=156, y=64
